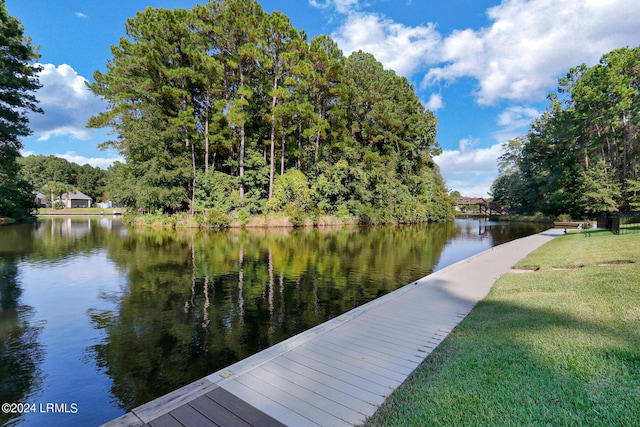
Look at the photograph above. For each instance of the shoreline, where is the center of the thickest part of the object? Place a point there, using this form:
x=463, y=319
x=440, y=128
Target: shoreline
x=200, y=222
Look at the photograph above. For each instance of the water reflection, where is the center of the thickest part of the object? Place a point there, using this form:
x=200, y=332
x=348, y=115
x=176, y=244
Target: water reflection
x=150, y=311
x=20, y=350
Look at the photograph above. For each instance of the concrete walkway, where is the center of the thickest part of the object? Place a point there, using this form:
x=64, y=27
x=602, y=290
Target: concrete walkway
x=340, y=372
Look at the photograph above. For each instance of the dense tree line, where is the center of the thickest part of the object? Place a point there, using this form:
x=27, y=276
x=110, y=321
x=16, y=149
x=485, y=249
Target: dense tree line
x=51, y=176
x=18, y=80
x=225, y=107
x=583, y=154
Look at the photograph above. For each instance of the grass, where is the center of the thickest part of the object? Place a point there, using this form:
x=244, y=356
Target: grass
x=549, y=347
x=77, y=211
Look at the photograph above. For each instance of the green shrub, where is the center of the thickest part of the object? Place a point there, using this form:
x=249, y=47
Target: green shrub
x=216, y=190
x=343, y=212
x=564, y=217
x=290, y=188
x=243, y=216
x=216, y=218
x=295, y=213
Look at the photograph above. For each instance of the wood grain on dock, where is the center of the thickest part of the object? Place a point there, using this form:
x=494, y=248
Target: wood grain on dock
x=340, y=372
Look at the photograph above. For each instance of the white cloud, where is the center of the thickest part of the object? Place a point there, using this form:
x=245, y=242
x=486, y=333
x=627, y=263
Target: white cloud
x=467, y=158
x=71, y=156
x=531, y=42
x=474, y=186
x=518, y=57
x=80, y=15
x=516, y=117
x=101, y=162
x=398, y=47
x=468, y=169
x=341, y=6
x=514, y=121
x=67, y=104
x=404, y=49
x=435, y=102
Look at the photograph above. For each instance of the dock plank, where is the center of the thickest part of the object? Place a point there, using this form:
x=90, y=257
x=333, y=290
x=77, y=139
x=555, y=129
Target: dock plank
x=218, y=414
x=394, y=333
x=323, y=357
x=154, y=409
x=272, y=408
x=373, y=352
x=188, y=416
x=359, y=388
x=306, y=393
x=368, y=358
x=165, y=420
x=248, y=413
x=337, y=395
x=386, y=346
x=415, y=323
x=291, y=401
x=410, y=328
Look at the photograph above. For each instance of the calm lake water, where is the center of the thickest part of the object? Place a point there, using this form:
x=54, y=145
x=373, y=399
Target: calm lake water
x=96, y=319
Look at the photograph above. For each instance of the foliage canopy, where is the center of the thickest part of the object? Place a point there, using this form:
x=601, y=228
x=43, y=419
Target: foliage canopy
x=18, y=80
x=582, y=155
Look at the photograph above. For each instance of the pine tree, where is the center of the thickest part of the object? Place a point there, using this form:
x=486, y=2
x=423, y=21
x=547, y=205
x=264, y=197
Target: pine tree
x=18, y=80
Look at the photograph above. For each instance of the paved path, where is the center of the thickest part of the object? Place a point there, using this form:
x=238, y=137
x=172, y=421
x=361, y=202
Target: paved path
x=340, y=372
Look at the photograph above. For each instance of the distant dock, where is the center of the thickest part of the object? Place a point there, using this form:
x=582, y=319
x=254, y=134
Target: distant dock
x=338, y=373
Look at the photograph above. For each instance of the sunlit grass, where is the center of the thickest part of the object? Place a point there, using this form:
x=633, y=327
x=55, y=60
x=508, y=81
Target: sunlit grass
x=550, y=347
x=77, y=211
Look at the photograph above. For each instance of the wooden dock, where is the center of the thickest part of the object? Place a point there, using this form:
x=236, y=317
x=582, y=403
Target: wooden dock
x=340, y=372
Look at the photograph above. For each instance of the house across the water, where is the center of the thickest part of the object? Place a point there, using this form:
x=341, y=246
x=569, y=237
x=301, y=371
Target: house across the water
x=41, y=200
x=75, y=199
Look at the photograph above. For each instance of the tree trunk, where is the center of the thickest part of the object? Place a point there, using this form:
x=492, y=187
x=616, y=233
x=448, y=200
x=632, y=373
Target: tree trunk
x=193, y=183
x=282, y=157
x=320, y=116
x=274, y=101
x=625, y=142
x=273, y=154
x=300, y=146
x=242, y=136
x=207, y=110
x=241, y=161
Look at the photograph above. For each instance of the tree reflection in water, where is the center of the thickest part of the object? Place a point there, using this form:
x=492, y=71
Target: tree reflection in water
x=20, y=351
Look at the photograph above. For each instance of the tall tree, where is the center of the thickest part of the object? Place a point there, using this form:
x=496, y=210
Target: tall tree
x=148, y=85
x=208, y=73
x=238, y=24
x=18, y=81
x=582, y=154
x=280, y=54
x=327, y=69
x=599, y=190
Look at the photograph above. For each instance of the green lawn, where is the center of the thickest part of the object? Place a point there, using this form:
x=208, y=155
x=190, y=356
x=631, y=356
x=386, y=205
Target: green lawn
x=77, y=211
x=555, y=347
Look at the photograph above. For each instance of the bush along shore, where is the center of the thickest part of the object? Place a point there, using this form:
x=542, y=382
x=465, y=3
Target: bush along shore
x=556, y=346
x=216, y=219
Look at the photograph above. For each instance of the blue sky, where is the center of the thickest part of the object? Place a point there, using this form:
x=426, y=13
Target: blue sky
x=483, y=66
